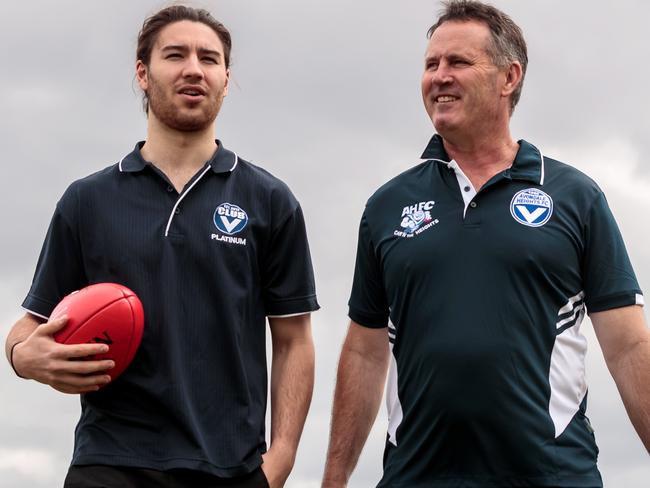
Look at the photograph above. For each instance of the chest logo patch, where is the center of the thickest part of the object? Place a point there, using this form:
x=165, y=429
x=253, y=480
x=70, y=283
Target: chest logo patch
x=531, y=207
x=416, y=219
x=230, y=219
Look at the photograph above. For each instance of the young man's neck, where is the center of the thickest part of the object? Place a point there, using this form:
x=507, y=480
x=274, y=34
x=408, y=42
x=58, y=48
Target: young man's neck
x=179, y=155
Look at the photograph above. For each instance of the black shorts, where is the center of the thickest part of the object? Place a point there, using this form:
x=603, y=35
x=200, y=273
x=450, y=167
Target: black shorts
x=99, y=476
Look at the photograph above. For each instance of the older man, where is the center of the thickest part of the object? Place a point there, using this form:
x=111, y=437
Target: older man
x=474, y=271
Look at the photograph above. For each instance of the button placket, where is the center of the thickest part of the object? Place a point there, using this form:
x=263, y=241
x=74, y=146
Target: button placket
x=177, y=209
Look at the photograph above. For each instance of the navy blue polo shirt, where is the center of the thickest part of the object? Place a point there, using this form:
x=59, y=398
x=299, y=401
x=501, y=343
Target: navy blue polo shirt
x=483, y=294
x=209, y=265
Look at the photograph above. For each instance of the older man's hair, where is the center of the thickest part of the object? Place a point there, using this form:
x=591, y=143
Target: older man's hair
x=508, y=43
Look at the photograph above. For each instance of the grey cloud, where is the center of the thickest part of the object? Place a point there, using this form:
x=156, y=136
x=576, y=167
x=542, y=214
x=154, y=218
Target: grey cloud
x=326, y=96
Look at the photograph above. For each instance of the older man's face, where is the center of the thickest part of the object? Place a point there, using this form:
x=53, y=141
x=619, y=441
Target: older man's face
x=461, y=85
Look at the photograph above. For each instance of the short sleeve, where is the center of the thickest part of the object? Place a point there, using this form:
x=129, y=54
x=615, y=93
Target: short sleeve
x=609, y=280
x=288, y=281
x=59, y=270
x=368, y=303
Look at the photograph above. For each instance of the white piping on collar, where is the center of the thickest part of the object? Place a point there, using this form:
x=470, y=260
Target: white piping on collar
x=236, y=161
x=120, y=165
x=439, y=160
x=171, y=215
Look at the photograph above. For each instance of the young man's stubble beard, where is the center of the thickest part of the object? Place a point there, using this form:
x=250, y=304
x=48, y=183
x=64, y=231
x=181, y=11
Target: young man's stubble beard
x=165, y=110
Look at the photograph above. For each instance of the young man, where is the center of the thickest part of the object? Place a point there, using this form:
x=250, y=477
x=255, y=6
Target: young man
x=212, y=245
x=474, y=271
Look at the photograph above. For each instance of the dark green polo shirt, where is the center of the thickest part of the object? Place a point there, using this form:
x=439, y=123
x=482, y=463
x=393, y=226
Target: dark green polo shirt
x=209, y=264
x=483, y=295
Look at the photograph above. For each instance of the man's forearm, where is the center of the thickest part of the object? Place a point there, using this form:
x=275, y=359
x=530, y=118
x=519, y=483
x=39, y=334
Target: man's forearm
x=625, y=341
x=22, y=329
x=292, y=384
x=359, y=388
x=632, y=376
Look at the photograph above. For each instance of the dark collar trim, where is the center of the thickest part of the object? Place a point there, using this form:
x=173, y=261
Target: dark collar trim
x=222, y=161
x=528, y=164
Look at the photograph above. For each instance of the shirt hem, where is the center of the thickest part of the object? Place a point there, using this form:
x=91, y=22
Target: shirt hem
x=617, y=300
x=370, y=321
x=38, y=306
x=554, y=482
x=167, y=464
x=293, y=306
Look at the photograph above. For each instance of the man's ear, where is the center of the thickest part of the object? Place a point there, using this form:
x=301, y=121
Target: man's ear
x=514, y=74
x=142, y=75
x=225, y=87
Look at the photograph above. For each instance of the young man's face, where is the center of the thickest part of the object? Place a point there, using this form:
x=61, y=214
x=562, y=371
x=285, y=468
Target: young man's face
x=462, y=89
x=186, y=79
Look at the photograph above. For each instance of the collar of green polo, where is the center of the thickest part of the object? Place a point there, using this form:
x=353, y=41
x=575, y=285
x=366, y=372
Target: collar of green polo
x=222, y=161
x=528, y=164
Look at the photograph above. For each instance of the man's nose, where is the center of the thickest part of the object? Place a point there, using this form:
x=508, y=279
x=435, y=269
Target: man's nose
x=442, y=75
x=192, y=67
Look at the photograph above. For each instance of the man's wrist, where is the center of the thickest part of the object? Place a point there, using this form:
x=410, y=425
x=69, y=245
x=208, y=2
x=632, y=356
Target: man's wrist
x=285, y=447
x=278, y=463
x=336, y=474
x=333, y=482
x=11, y=359
x=282, y=454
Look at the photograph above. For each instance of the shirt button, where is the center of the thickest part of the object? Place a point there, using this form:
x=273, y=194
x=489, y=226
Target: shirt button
x=467, y=188
x=170, y=188
x=178, y=210
x=473, y=204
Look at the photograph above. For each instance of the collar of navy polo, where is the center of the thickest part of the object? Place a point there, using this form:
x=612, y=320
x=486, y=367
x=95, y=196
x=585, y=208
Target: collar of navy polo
x=527, y=166
x=222, y=161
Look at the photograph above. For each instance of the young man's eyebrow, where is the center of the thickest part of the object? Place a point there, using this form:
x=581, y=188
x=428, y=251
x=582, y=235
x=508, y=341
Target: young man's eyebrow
x=210, y=51
x=174, y=47
x=184, y=48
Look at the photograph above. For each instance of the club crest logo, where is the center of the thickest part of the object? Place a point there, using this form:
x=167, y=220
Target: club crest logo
x=531, y=207
x=416, y=219
x=230, y=219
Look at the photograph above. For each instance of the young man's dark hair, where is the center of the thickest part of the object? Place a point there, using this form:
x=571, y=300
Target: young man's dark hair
x=508, y=43
x=177, y=13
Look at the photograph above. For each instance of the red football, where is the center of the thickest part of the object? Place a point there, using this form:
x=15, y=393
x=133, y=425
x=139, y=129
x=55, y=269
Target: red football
x=103, y=313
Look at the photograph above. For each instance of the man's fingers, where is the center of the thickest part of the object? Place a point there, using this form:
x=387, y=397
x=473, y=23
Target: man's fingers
x=52, y=326
x=69, y=351
x=88, y=367
x=63, y=368
x=74, y=351
x=74, y=383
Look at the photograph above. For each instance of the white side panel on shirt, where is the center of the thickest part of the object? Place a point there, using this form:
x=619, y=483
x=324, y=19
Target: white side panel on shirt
x=567, y=371
x=393, y=404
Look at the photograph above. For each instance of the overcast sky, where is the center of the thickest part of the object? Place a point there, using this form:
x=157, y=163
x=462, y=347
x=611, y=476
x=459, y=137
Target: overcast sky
x=325, y=95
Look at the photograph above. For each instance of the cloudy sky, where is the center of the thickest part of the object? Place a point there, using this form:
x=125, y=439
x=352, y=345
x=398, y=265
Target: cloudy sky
x=325, y=95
